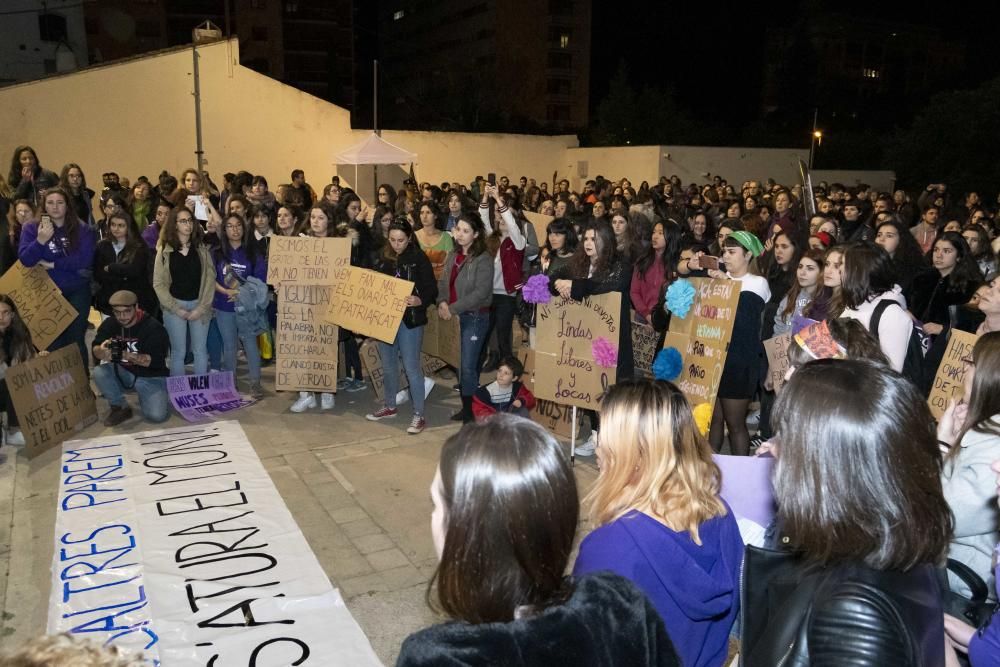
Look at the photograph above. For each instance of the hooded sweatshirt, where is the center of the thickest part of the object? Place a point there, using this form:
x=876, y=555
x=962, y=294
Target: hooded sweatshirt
x=695, y=588
x=145, y=336
x=73, y=265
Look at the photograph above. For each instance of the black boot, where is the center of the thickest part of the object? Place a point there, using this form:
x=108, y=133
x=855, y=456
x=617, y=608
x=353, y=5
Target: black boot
x=460, y=415
x=467, y=415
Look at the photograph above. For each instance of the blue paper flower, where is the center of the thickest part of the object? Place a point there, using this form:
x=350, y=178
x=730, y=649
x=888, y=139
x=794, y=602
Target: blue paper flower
x=668, y=364
x=680, y=296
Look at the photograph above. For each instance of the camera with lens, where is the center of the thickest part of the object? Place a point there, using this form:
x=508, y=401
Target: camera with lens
x=117, y=348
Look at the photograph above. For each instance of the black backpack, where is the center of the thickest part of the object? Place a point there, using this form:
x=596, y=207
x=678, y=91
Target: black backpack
x=913, y=363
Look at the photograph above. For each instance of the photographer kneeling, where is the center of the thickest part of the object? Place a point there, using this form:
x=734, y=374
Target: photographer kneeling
x=136, y=346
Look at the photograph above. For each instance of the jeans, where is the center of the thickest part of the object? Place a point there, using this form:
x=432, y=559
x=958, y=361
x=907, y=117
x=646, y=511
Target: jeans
x=177, y=329
x=214, y=344
x=408, y=343
x=230, y=335
x=154, y=403
x=77, y=329
x=352, y=356
x=473, y=327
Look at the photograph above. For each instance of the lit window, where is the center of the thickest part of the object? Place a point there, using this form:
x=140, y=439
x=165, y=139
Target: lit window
x=563, y=41
x=398, y=15
x=870, y=73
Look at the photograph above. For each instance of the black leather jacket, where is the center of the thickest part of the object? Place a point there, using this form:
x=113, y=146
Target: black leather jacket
x=796, y=615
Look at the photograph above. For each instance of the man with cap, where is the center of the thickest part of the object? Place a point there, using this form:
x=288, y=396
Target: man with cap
x=131, y=349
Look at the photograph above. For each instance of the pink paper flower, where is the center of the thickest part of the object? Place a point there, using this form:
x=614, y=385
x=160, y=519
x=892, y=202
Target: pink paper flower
x=605, y=354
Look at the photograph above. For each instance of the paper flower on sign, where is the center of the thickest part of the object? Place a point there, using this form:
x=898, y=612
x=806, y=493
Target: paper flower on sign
x=702, y=417
x=680, y=296
x=668, y=363
x=605, y=354
x=536, y=290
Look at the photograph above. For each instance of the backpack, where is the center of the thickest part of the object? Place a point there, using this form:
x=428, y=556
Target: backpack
x=913, y=362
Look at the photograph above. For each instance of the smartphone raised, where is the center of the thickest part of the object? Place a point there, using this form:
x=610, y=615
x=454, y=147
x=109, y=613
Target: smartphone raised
x=491, y=178
x=709, y=262
x=45, y=219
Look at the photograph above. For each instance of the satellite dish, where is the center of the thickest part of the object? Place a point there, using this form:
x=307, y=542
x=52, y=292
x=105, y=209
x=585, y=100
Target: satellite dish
x=118, y=25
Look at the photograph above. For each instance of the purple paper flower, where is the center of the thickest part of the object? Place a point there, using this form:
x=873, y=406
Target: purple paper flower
x=536, y=290
x=605, y=353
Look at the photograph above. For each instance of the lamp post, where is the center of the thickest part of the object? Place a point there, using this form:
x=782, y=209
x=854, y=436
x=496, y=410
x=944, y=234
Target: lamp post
x=816, y=139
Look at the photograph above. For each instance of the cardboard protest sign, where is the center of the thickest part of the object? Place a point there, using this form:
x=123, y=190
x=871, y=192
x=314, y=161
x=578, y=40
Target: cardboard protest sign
x=557, y=419
x=777, y=358
x=368, y=303
x=306, y=260
x=702, y=338
x=39, y=302
x=644, y=339
x=570, y=335
x=176, y=543
x=306, y=346
x=201, y=397
x=52, y=397
x=442, y=339
x=949, y=382
x=371, y=359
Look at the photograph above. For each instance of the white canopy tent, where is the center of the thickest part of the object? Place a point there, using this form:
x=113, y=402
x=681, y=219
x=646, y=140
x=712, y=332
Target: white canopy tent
x=374, y=150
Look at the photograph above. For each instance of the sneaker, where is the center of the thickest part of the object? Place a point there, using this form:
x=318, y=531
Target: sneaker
x=383, y=413
x=356, y=385
x=256, y=391
x=344, y=382
x=118, y=415
x=327, y=400
x=588, y=446
x=417, y=425
x=15, y=438
x=306, y=401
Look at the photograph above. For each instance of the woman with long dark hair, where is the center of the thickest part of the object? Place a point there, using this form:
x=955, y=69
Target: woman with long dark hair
x=27, y=177
x=659, y=520
x=656, y=267
x=808, y=283
x=121, y=262
x=465, y=290
x=779, y=264
x=862, y=534
x=72, y=180
x=971, y=428
x=982, y=252
x=236, y=260
x=952, y=281
x=501, y=563
x=401, y=258
x=430, y=234
x=16, y=347
x=64, y=246
x=597, y=268
x=907, y=260
x=184, y=281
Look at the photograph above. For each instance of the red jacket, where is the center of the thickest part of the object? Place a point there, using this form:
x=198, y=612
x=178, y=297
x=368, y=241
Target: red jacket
x=512, y=265
x=483, y=405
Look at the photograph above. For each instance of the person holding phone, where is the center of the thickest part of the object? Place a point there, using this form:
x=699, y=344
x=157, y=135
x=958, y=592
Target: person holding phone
x=64, y=247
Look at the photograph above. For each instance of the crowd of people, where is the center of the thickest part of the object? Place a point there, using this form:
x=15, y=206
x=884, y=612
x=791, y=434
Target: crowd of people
x=871, y=285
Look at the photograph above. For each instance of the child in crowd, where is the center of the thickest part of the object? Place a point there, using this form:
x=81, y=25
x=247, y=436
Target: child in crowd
x=505, y=394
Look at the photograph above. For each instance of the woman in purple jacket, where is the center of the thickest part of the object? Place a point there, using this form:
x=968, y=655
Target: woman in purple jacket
x=660, y=520
x=236, y=259
x=64, y=246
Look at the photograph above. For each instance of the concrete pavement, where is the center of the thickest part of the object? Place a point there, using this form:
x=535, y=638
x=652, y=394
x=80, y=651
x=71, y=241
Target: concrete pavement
x=357, y=489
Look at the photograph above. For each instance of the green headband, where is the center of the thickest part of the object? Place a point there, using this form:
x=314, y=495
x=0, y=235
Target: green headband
x=748, y=241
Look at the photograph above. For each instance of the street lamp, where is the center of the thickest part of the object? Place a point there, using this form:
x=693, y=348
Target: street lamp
x=817, y=140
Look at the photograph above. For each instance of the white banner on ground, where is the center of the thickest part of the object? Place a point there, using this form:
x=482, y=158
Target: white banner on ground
x=177, y=543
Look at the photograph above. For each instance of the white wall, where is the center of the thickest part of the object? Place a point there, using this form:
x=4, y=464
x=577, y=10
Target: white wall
x=22, y=51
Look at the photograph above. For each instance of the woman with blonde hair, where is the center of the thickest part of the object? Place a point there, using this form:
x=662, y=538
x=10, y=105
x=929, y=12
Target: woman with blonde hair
x=660, y=520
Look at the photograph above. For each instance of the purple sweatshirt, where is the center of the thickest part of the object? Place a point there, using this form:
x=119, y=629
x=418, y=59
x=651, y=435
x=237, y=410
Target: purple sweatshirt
x=984, y=647
x=73, y=266
x=240, y=265
x=695, y=588
x=151, y=235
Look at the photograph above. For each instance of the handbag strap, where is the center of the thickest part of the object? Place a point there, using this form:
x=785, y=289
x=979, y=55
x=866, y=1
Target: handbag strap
x=975, y=583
